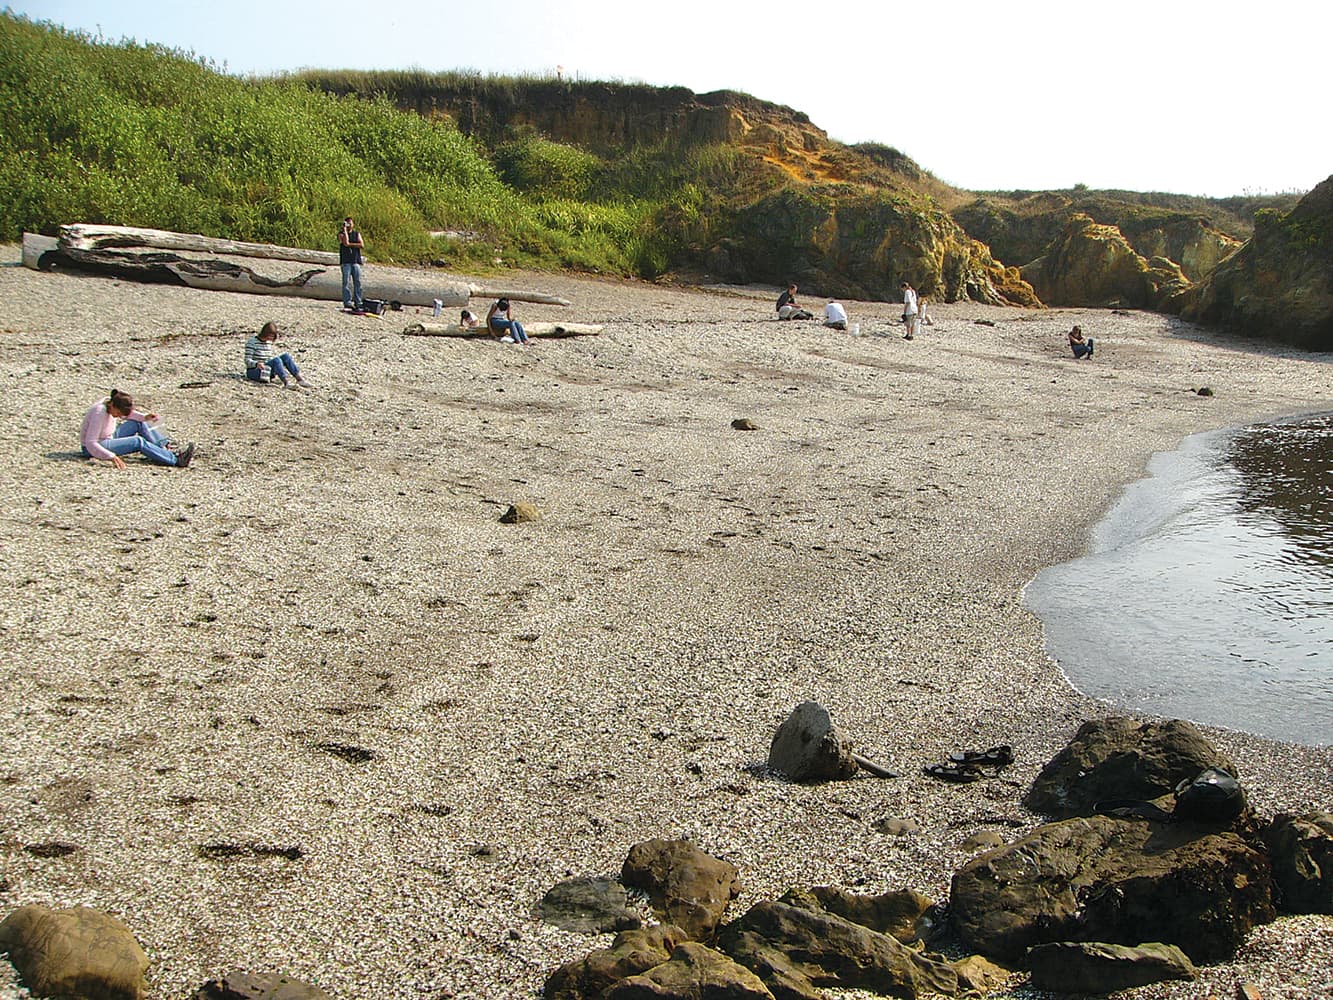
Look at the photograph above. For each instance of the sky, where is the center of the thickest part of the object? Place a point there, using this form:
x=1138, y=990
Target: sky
x=1210, y=98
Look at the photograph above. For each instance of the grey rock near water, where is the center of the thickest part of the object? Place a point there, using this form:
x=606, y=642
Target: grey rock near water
x=1121, y=758
x=74, y=952
x=1095, y=967
x=809, y=747
x=687, y=887
x=1102, y=878
x=589, y=905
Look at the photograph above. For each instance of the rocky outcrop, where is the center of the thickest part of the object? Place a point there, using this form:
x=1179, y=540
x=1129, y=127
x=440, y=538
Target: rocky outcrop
x=687, y=887
x=1119, y=881
x=902, y=915
x=1278, y=286
x=1122, y=758
x=1301, y=850
x=1091, y=265
x=1070, y=967
x=75, y=952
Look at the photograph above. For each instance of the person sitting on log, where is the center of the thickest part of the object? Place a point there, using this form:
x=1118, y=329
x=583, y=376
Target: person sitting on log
x=263, y=364
x=500, y=321
x=101, y=438
x=787, y=307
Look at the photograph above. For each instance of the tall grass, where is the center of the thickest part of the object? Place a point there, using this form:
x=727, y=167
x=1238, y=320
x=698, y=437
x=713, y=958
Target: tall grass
x=141, y=135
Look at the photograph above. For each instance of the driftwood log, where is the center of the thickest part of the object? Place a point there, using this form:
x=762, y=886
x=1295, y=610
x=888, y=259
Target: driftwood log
x=82, y=236
x=532, y=329
x=279, y=276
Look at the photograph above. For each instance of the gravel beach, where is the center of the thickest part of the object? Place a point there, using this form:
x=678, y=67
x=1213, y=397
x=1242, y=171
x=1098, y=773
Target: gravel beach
x=307, y=706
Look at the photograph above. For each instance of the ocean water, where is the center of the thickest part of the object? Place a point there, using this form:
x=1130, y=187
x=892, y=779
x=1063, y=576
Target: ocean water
x=1207, y=593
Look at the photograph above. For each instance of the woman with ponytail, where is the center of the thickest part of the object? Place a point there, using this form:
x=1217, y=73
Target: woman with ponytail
x=114, y=428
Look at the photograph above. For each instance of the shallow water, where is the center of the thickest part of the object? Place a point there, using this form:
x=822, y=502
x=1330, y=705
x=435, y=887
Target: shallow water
x=1208, y=590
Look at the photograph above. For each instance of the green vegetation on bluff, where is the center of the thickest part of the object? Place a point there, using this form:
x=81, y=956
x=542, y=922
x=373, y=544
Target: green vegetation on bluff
x=140, y=135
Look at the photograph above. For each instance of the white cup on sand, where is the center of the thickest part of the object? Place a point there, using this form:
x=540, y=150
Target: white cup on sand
x=856, y=329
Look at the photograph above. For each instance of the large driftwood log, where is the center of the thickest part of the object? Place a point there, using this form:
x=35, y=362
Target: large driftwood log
x=82, y=236
x=410, y=287
x=532, y=329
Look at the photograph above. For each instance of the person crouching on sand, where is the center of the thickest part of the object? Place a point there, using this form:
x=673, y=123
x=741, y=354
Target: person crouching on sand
x=1081, y=348
x=500, y=321
x=263, y=364
x=101, y=438
x=835, y=316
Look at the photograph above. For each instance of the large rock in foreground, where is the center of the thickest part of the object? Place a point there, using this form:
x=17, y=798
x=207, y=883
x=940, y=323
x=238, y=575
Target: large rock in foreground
x=1121, y=758
x=631, y=953
x=687, y=887
x=1279, y=285
x=241, y=985
x=694, y=972
x=75, y=952
x=1067, y=967
x=1120, y=881
x=795, y=950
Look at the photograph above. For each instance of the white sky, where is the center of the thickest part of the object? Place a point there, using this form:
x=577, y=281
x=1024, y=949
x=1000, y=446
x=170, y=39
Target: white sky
x=1206, y=97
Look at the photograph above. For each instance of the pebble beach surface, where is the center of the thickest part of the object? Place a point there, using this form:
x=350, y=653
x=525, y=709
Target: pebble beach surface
x=308, y=707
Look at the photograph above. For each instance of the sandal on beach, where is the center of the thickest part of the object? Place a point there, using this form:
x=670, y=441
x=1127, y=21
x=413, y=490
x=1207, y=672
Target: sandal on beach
x=952, y=771
x=996, y=757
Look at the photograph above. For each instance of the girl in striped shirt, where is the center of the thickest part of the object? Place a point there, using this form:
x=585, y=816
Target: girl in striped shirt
x=262, y=364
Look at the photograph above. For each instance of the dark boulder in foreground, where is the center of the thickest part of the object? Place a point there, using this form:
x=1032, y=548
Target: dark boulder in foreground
x=694, y=972
x=74, y=952
x=588, y=905
x=1070, y=967
x=1301, y=850
x=1121, y=758
x=1120, y=881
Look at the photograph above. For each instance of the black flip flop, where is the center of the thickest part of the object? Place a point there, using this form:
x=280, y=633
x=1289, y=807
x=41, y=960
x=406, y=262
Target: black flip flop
x=996, y=756
x=952, y=771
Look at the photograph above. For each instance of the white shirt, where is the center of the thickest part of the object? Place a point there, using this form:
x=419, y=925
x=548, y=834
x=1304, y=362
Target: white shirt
x=909, y=302
x=835, y=313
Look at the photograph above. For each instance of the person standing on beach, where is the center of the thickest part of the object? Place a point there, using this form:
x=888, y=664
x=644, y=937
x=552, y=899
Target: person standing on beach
x=909, y=310
x=350, y=246
x=264, y=364
x=835, y=316
x=101, y=438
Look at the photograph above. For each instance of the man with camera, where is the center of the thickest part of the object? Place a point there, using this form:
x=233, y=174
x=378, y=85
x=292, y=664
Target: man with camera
x=349, y=256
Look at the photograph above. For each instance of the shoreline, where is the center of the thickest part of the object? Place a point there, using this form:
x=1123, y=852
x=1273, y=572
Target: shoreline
x=179, y=646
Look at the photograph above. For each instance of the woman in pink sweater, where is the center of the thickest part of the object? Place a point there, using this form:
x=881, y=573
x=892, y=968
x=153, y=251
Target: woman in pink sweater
x=101, y=438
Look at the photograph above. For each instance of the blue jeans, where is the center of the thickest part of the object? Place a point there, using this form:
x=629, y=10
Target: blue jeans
x=1082, y=349
x=278, y=367
x=135, y=436
x=510, y=326
x=352, y=278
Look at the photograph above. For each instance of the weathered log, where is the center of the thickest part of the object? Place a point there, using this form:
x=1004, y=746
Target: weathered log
x=878, y=770
x=481, y=291
x=82, y=236
x=407, y=286
x=533, y=329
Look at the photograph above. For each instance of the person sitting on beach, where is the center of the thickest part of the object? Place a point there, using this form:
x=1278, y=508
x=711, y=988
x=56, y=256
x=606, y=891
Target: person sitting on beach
x=923, y=313
x=787, y=307
x=835, y=316
x=467, y=321
x=101, y=438
x=500, y=321
x=1081, y=348
x=262, y=364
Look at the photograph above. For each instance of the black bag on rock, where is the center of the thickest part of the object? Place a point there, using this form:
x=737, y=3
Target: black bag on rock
x=1214, y=796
